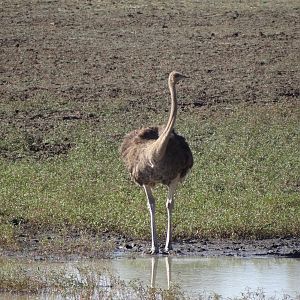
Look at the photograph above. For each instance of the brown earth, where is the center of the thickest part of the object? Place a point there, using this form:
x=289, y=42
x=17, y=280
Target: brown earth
x=83, y=54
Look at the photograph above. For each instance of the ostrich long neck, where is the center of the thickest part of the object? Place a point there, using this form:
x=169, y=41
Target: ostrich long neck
x=160, y=145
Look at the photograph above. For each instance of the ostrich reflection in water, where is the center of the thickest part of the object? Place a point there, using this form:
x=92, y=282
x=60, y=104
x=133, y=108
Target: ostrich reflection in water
x=154, y=263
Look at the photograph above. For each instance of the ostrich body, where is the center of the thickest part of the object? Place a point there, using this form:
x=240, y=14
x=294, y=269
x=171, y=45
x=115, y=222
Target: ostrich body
x=158, y=155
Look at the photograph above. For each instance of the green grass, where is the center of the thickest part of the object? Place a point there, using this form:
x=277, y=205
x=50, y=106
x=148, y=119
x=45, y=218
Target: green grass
x=245, y=181
x=246, y=176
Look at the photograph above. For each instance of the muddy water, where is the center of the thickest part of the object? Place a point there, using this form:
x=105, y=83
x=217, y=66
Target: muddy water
x=225, y=276
x=222, y=275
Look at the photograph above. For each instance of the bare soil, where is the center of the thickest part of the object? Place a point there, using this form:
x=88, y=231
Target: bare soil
x=82, y=54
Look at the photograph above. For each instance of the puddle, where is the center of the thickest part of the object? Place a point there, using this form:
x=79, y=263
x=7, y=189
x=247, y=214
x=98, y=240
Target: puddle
x=195, y=276
x=222, y=275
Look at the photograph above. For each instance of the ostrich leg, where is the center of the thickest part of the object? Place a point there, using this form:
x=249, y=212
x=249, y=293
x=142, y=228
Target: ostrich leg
x=170, y=206
x=154, y=262
x=168, y=261
x=151, y=206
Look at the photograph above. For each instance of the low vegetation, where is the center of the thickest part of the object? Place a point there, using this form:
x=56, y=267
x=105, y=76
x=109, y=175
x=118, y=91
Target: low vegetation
x=245, y=181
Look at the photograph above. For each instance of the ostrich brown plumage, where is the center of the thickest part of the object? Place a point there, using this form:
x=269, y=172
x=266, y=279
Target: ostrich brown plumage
x=158, y=155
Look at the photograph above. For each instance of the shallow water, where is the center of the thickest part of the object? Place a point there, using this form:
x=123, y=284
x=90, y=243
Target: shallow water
x=225, y=276
x=222, y=275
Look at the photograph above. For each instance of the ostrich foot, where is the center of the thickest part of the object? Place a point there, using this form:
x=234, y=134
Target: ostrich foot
x=168, y=250
x=154, y=250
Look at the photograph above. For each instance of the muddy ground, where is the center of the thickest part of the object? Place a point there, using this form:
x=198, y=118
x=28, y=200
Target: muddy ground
x=109, y=246
x=284, y=247
x=84, y=53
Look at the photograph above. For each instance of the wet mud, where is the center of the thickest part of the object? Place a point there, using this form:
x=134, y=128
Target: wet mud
x=108, y=246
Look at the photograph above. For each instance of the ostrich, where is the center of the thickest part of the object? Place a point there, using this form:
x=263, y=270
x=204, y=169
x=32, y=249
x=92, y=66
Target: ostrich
x=158, y=155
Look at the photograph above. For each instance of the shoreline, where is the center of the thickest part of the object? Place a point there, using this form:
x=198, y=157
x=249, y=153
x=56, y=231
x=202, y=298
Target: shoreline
x=114, y=247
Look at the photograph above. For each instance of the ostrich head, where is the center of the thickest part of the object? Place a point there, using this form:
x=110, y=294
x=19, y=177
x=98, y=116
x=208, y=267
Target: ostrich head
x=175, y=77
